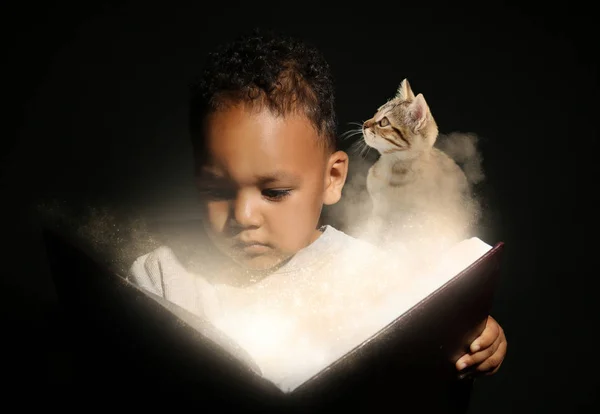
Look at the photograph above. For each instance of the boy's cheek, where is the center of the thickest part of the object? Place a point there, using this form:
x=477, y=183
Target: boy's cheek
x=215, y=214
x=298, y=225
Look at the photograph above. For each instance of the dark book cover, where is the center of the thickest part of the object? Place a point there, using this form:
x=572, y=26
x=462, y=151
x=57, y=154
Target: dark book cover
x=152, y=351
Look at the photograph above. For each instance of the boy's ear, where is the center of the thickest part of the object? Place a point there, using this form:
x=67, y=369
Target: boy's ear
x=337, y=171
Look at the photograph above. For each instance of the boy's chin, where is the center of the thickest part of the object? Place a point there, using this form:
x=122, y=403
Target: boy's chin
x=262, y=263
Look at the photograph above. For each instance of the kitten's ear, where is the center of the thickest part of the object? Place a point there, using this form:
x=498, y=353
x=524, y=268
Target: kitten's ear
x=404, y=91
x=417, y=112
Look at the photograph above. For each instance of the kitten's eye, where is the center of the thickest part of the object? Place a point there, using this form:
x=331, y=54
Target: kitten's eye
x=383, y=122
x=276, y=195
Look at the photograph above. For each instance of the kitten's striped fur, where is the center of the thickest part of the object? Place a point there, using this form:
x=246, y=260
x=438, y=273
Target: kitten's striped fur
x=414, y=184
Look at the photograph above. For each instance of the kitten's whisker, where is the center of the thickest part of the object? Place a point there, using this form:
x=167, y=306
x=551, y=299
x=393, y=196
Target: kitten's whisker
x=356, y=146
x=365, y=150
x=351, y=134
x=353, y=130
x=360, y=148
x=347, y=133
x=360, y=124
x=355, y=149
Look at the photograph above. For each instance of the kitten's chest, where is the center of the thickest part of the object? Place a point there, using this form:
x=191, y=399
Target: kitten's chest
x=388, y=176
x=421, y=184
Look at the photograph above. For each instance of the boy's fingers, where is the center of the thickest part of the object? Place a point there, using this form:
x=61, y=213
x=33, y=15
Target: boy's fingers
x=478, y=357
x=489, y=366
x=491, y=332
x=492, y=364
x=486, y=353
x=463, y=362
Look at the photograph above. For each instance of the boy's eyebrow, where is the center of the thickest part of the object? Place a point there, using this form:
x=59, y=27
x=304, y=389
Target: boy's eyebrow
x=277, y=176
x=263, y=179
x=210, y=175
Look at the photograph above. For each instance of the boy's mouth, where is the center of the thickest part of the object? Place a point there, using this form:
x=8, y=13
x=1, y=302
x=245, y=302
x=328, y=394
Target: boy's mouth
x=252, y=248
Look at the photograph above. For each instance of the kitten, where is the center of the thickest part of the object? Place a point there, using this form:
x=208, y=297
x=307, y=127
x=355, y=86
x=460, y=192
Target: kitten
x=419, y=193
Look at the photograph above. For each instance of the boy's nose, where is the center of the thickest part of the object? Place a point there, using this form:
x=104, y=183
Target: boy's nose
x=245, y=211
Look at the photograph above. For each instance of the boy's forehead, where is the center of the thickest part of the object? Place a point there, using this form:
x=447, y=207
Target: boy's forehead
x=260, y=143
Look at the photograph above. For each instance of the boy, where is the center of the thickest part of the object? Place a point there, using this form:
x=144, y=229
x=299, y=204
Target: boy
x=263, y=129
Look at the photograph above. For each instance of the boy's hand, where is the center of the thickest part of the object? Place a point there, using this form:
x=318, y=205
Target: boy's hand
x=487, y=351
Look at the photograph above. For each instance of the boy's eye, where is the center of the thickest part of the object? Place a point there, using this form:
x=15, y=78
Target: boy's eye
x=383, y=122
x=275, y=194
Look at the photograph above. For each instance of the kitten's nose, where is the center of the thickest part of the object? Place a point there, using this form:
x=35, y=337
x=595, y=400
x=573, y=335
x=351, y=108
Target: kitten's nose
x=368, y=124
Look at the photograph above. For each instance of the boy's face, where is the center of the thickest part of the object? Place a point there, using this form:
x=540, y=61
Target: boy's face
x=264, y=184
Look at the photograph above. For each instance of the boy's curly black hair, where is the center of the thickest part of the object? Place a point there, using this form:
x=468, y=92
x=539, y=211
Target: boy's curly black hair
x=266, y=68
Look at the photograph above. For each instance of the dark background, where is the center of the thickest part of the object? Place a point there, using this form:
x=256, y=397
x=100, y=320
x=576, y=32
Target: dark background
x=95, y=113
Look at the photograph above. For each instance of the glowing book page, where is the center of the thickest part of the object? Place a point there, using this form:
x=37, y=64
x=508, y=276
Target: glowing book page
x=422, y=284
x=290, y=349
x=451, y=263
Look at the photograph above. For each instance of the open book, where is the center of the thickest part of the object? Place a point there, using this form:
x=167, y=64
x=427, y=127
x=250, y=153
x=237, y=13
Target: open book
x=147, y=340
